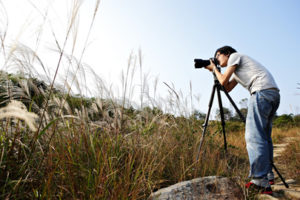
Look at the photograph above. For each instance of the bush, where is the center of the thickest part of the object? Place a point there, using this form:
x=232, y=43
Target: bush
x=297, y=120
x=283, y=121
x=233, y=126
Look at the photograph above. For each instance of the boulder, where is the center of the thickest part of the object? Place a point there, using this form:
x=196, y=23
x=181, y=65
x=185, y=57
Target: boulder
x=211, y=187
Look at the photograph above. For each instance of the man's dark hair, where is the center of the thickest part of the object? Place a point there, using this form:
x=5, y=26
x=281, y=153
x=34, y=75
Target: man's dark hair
x=226, y=50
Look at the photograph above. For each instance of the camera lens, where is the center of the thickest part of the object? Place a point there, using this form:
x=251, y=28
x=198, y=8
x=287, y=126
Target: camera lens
x=199, y=63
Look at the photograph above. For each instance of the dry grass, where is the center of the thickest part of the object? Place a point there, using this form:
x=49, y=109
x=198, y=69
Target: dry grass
x=279, y=134
x=290, y=158
x=83, y=161
x=102, y=148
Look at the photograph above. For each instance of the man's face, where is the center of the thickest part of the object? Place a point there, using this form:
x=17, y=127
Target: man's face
x=222, y=58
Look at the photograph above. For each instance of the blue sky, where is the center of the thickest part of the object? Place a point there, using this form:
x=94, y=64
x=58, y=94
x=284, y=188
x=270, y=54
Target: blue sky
x=171, y=33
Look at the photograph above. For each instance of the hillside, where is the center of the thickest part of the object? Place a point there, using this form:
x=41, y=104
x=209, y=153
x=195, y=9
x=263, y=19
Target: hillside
x=91, y=148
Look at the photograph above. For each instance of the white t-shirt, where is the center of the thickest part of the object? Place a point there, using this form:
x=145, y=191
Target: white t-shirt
x=251, y=74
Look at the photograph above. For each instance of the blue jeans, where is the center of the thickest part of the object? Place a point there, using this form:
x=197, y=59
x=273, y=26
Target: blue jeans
x=262, y=108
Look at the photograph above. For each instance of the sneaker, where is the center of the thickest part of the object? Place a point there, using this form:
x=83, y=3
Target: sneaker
x=271, y=182
x=252, y=188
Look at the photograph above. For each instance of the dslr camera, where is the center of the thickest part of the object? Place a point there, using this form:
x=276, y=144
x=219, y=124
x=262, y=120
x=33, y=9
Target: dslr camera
x=199, y=63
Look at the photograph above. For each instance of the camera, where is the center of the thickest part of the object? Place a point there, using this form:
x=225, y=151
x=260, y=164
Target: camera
x=199, y=63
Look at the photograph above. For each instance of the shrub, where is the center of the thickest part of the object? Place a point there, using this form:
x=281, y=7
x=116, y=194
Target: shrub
x=233, y=126
x=284, y=121
x=297, y=120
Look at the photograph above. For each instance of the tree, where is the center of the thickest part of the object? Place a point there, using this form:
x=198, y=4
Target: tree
x=227, y=114
x=199, y=115
x=237, y=117
x=244, y=109
x=244, y=103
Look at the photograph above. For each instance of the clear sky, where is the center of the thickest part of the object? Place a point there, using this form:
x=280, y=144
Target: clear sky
x=171, y=33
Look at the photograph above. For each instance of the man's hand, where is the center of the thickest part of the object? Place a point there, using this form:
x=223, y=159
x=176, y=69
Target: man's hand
x=211, y=66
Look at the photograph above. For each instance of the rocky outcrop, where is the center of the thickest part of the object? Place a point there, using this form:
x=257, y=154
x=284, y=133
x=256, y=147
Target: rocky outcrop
x=212, y=187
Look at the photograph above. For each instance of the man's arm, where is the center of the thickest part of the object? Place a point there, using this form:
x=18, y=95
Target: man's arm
x=230, y=85
x=224, y=78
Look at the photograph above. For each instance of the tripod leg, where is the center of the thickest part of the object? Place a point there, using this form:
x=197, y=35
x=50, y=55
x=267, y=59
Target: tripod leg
x=222, y=117
x=282, y=179
x=233, y=104
x=206, y=119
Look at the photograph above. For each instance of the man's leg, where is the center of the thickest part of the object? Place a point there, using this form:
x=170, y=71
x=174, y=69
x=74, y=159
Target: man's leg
x=257, y=140
x=275, y=102
x=258, y=135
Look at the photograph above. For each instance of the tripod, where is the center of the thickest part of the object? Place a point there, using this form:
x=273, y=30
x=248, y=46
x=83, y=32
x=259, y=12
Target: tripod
x=217, y=87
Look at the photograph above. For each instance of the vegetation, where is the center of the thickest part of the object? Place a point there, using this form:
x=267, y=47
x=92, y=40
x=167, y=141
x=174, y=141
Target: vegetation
x=83, y=144
x=291, y=159
x=104, y=157
x=115, y=152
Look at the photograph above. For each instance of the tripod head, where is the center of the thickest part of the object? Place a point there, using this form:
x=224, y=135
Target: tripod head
x=215, y=77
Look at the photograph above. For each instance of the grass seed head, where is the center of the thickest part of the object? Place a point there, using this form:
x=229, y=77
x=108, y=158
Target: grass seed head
x=16, y=109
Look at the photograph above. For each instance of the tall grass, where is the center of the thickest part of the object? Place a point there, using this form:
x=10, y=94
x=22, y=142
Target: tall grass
x=86, y=161
x=95, y=144
x=290, y=159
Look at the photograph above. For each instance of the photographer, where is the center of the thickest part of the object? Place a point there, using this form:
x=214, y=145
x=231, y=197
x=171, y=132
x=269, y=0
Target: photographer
x=263, y=104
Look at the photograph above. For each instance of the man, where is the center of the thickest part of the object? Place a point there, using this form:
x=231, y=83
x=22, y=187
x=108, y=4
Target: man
x=263, y=104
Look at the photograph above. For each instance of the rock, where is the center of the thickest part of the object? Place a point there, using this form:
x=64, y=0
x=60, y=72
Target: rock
x=266, y=197
x=292, y=194
x=211, y=187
